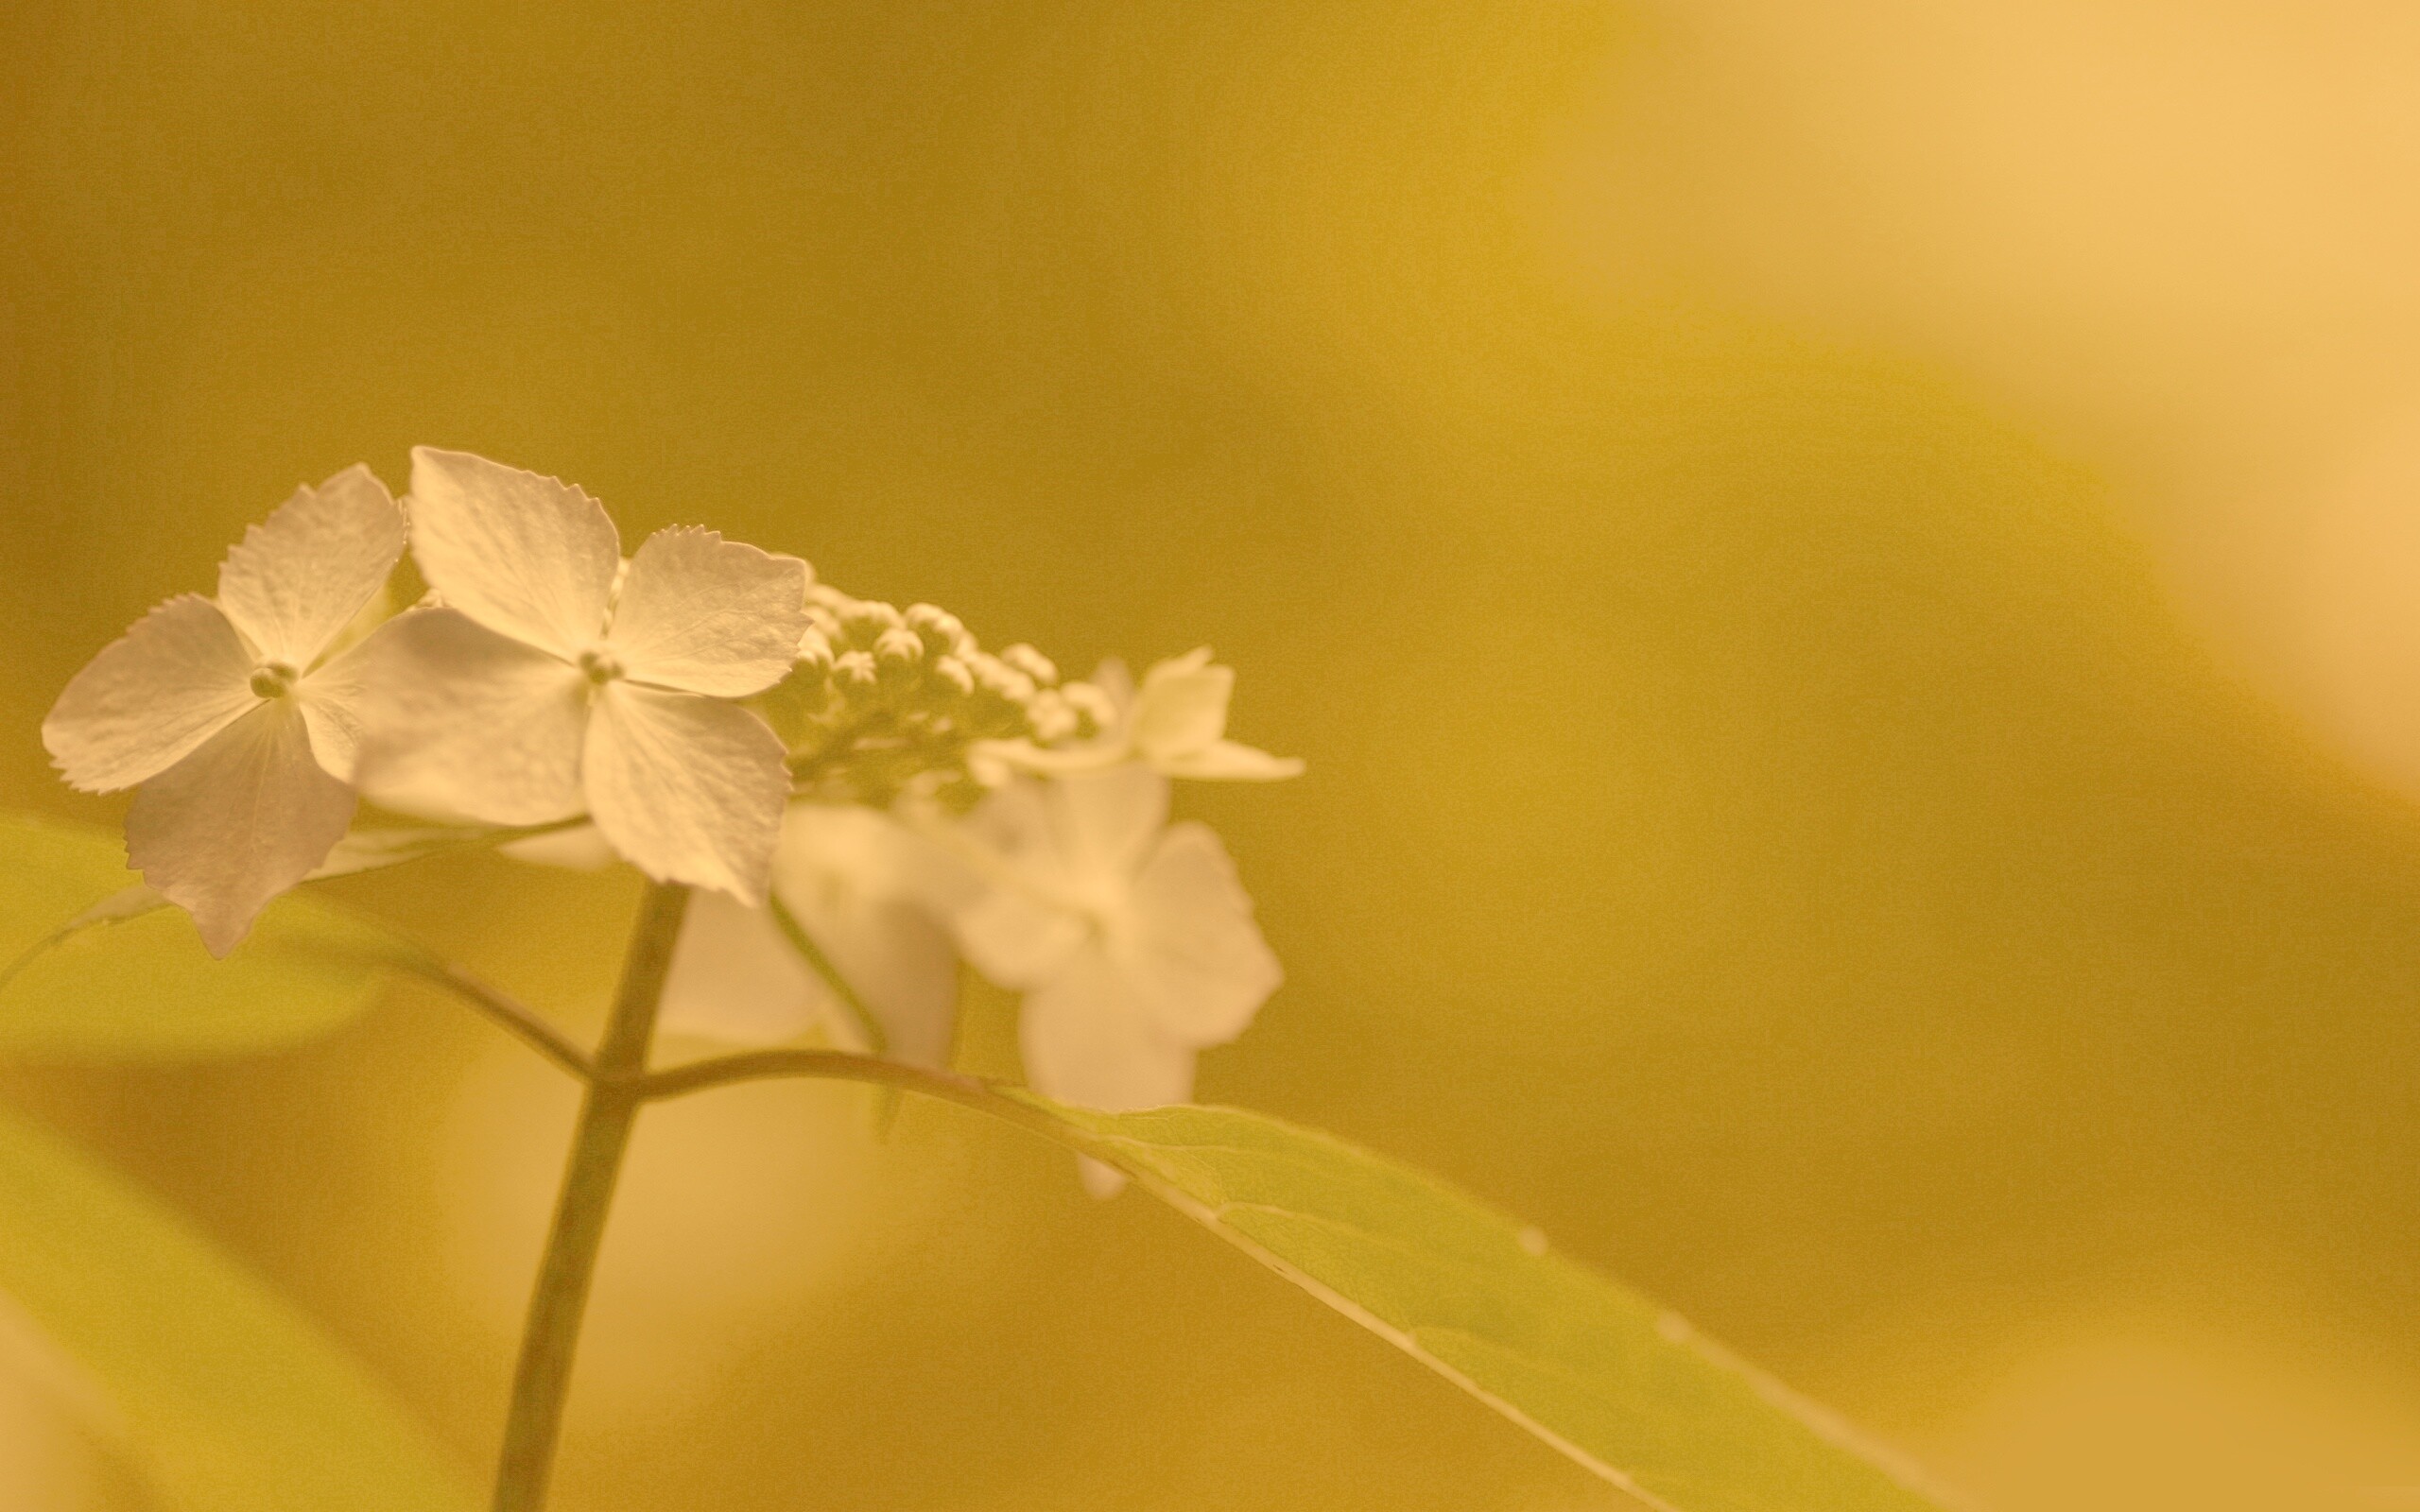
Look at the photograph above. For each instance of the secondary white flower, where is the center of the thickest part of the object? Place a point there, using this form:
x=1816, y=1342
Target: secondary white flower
x=1132, y=939
x=557, y=680
x=867, y=892
x=1175, y=724
x=230, y=712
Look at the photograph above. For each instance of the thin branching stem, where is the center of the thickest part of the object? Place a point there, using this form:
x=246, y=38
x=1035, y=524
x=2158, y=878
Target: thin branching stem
x=515, y=1017
x=840, y=1065
x=542, y=1380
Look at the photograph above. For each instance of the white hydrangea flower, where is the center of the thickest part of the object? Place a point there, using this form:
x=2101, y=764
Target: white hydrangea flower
x=232, y=714
x=555, y=679
x=868, y=891
x=1175, y=724
x=1132, y=939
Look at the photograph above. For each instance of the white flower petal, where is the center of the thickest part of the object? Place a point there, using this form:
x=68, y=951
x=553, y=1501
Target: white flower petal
x=336, y=697
x=1188, y=942
x=526, y=556
x=709, y=615
x=1182, y=707
x=244, y=817
x=734, y=979
x=297, y=579
x=688, y=788
x=1016, y=941
x=1224, y=760
x=1086, y=1041
x=897, y=958
x=1117, y=684
x=463, y=723
x=1103, y=822
x=874, y=894
x=179, y=677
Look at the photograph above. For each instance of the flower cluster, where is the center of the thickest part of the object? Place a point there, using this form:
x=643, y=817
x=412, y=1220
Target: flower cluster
x=863, y=795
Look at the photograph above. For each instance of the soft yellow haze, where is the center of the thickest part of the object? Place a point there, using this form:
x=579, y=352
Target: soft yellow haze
x=1793, y=539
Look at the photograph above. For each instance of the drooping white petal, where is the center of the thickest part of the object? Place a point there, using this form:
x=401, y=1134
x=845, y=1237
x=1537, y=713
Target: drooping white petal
x=1104, y=821
x=688, y=788
x=299, y=576
x=462, y=723
x=1086, y=1041
x=1224, y=760
x=709, y=615
x=737, y=980
x=1182, y=705
x=527, y=556
x=1188, y=939
x=179, y=677
x=244, y=817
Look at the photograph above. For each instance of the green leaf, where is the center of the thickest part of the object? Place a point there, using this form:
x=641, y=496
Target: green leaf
x=223, y=1398
x=1605, y=1375
x=133, y=983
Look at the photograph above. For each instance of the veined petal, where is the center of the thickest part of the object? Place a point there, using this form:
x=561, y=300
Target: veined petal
x=179, y=677
x=1224, y=760
x=244, y=817
x=1104, y=821
x=1086, y=1041
x=336, y=697
x=299, y=576
x=1188, y=942
x=526, y=556
x=459, y=722
x=1182, y=707
x=688, y=788
x=737, y=980
x=709, y=615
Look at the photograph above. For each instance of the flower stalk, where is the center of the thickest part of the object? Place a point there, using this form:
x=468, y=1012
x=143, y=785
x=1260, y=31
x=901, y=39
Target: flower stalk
x=609, y=1110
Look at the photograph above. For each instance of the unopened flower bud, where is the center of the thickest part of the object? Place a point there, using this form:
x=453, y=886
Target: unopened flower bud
x=864, y=621
x=853, y=672
x=897, y=654
x=937, y=627
x=1092, y=708
x=950, y=672
x=815, y=656
x=1032, y=663
x=1052, y=720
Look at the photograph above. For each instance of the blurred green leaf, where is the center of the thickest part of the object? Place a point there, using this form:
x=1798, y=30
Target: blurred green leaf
x=1605, y=1375
x=223, y=1398
x=140, y=987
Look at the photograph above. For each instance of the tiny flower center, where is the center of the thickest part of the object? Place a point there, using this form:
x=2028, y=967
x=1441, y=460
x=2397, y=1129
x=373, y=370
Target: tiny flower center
x=273, y=679
x=599, y=665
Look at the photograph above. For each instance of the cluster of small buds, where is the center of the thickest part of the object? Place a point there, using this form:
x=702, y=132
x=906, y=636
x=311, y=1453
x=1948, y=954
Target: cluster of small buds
x=883, y=700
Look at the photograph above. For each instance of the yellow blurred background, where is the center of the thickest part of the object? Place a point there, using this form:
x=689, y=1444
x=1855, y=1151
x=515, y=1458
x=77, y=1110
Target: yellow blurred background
x=1846, y=576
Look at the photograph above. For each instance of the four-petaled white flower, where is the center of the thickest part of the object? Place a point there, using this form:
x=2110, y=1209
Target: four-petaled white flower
x=232, y=715
x=868, y=892
x=1175, y=724
x=1132, y=939
x=555, y=680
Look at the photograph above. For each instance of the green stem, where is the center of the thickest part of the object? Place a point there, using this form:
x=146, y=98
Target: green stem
x=541, y=1381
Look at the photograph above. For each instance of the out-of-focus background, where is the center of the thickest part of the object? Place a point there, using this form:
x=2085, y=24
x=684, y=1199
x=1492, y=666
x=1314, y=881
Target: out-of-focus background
x=1849, y=578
